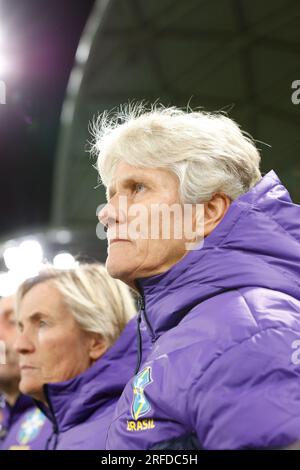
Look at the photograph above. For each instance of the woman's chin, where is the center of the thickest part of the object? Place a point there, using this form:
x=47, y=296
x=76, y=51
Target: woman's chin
x=28, y=387
x=119, y=268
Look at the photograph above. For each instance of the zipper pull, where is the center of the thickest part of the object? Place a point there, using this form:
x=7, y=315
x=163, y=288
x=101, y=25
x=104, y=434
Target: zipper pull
x=139, y=343
x=141, y=304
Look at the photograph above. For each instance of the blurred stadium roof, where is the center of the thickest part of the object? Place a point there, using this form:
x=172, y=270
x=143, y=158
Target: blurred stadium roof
x=235, y=55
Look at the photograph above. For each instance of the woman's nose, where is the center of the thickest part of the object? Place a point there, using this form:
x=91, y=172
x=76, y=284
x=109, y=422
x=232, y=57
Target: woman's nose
x=22, y=344
x=102, y=215
x=108, y=215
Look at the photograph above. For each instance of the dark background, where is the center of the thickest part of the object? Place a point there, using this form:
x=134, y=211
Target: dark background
x=41, y=38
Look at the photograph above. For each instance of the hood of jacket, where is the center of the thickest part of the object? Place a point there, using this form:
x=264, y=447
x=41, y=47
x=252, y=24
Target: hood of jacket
x=257, y=243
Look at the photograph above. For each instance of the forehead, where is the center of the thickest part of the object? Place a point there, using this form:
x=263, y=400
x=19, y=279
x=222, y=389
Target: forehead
x=124, y=170
x=43, y=297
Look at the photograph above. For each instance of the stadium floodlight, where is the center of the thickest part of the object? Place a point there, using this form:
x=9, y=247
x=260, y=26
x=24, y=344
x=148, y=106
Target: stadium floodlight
x=63, y=236
x=25, y=257
x=11, y=257
x=11, y=280
x=5, y=65
x=64, y=261
x=31, y=254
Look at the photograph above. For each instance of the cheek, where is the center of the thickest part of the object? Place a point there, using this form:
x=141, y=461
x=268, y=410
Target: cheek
x=48, y=355
x=12, y=358
x=63, y=356
x=10, y=340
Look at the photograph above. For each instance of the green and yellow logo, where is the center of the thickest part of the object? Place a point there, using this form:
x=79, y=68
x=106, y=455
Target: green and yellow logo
x=31, y=426
x=140, y=405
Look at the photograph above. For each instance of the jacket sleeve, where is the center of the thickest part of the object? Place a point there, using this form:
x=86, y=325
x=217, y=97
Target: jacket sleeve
x=249, y=396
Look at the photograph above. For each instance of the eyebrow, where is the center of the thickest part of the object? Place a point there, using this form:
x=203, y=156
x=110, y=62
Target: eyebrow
x=128, y=180
x=6, y=312
x=35, y=316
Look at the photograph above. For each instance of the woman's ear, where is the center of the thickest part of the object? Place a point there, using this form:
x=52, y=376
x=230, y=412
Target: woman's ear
x=97, y=346
x=214, y=211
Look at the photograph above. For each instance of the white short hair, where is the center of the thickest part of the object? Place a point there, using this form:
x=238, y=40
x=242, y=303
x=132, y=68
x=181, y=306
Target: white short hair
x=98, y=303
x=208, y=152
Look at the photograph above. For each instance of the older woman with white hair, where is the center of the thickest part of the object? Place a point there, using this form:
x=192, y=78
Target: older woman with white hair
x=221, y=301
x=77, y=349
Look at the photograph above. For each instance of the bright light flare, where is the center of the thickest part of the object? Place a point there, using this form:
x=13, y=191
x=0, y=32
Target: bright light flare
x=26, y=257
x=64, y=261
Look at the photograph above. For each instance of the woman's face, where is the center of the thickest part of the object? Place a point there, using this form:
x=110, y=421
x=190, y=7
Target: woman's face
x=153, y=250
x=149, y=229
x=51, y=345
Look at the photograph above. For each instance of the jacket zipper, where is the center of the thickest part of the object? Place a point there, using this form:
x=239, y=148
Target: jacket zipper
x=143, y=309
x=55, y=426
x=141, y=304
x=139, y=344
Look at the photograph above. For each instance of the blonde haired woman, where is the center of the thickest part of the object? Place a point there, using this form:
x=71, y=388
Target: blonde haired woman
x=77, y=349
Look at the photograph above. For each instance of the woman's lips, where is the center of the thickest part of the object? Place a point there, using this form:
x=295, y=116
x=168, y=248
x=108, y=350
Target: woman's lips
x=26, y=368
x=118, y=240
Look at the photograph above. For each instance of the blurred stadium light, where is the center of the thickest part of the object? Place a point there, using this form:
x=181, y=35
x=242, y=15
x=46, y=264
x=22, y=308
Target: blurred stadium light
x=64, y=261
x=21, y=257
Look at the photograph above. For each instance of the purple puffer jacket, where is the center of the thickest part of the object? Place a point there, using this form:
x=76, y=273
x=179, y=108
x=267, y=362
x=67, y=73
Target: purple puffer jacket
x=224, y=372
x=23, y=426
x=82, y=408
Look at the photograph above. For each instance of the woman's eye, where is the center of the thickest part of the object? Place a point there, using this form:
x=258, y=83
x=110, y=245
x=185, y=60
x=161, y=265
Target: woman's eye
x=42, y=323
x=139, y=187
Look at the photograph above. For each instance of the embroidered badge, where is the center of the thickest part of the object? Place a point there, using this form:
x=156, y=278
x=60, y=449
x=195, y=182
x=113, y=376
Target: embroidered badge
x=31, y=426
x=140, y=405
